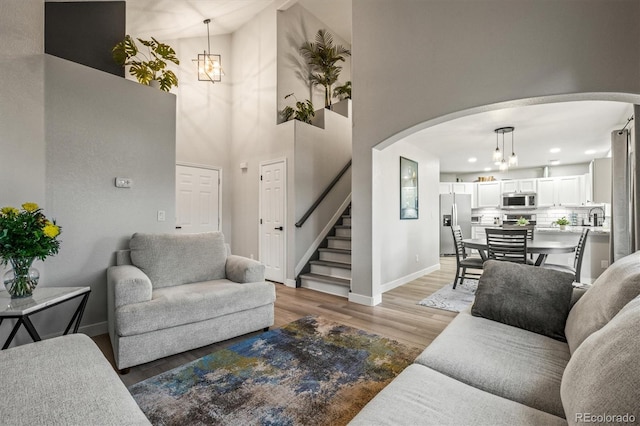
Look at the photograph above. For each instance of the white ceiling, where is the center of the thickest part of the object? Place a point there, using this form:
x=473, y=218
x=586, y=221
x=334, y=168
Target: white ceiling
x=573, y=127
x=174, y=19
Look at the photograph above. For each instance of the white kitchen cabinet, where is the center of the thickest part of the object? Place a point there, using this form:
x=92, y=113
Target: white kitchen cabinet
x=546, y=192
x=570, y=191
x=488, y=194
x=459, y=188
x=519, y=185
x=564, y=191
x=445, y=188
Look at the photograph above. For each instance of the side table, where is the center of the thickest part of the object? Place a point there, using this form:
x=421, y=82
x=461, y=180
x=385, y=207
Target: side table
x=43, y=298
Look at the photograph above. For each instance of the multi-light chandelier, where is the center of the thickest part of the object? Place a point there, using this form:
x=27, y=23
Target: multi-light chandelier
x=499, y=157
x=209, y=65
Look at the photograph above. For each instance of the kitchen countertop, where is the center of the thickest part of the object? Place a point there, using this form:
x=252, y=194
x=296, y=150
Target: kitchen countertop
x=593, y=230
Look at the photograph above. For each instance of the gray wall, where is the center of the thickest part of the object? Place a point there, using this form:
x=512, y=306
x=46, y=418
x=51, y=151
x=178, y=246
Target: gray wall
x=295, y=26
x=98, y=127
x=68, y=131
x=451, y=58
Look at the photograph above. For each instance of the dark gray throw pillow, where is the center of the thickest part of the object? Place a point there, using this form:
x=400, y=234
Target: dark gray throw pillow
x=529, y=297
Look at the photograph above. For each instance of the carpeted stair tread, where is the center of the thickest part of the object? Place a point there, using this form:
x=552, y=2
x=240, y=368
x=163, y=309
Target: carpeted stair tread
x=339, y=238
x=327, y=279
x=331, y=264
x=335, y=250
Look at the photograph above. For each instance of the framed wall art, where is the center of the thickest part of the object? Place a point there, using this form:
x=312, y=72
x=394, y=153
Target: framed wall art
x=408, y=189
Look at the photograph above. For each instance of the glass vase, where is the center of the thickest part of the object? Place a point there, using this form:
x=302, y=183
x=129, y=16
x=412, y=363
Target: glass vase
x=21, y=279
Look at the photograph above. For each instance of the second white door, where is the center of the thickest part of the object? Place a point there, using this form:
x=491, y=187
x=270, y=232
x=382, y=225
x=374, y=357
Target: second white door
x=272, y=219
x=197, y=199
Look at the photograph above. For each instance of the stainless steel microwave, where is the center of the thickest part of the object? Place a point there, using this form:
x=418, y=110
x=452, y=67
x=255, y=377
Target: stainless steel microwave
x=519, y=200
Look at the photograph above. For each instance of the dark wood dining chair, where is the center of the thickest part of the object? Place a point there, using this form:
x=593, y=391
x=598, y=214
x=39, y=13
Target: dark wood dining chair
x=507, y=244
x=577, y=260
x=464, y=262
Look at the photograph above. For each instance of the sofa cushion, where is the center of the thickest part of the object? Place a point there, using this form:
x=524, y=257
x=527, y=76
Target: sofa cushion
x=188, y=303
x=422, y=396
x=65, y=380
x=529, y=297
x=617, y=285
x=603, y=376
x=506, y=361
x=175, y=259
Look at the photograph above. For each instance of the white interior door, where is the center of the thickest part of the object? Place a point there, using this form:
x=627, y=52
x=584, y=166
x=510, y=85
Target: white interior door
x=272, y=219
x=197, y=199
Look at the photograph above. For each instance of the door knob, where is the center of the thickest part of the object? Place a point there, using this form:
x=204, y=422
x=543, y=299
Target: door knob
x=279, y=228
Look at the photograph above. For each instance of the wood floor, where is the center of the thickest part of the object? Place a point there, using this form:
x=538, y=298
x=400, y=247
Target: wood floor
x=398, y=317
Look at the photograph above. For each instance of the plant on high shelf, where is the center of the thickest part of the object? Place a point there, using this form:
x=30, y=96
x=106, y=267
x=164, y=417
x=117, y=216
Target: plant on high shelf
x=522, y=221
x=25, y=235
x=343, y=92
x=303, y=112
x=147, y=67
x=323, y=57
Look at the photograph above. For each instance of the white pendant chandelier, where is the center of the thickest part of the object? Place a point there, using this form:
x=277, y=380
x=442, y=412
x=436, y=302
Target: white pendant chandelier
x=209, y=65
x=499, y=156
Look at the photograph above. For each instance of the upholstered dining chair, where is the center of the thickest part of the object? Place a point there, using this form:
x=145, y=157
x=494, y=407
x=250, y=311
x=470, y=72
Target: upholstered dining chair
x=507, y=244
x=464, y=262
x=577, y=260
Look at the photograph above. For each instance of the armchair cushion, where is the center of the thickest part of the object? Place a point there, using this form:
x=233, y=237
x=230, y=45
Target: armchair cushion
x=131, y=285
x=613, y=289
x=176, y=259
x=244, y=270
x=603, y=376
x=528, y=297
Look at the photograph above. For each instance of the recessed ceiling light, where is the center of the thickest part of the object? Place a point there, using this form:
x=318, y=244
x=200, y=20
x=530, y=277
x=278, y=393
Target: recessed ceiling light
x=487, y=169
x=590, y=151
x=554, y=150
x=554, y=162
x=472, y=160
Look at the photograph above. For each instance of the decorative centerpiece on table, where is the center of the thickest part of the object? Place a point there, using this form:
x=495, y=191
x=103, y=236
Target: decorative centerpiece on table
x=25, y=235
x=522, y=221
x=562, y=223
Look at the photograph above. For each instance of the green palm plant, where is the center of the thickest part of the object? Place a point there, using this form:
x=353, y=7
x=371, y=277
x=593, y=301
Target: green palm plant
x=322, y=58
x=153, y=66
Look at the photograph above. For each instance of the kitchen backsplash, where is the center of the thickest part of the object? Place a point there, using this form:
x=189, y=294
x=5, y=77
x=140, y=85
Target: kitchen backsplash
x=544, y=216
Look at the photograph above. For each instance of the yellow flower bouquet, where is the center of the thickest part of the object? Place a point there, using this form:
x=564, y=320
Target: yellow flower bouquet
x=25, y=235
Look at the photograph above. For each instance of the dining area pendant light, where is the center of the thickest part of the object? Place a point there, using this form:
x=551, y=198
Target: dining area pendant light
x=209, y=65
x=503, y=162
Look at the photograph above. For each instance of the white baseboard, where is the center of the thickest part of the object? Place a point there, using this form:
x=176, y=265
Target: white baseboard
x=360, y=299
x=408, y=278
x=289, y=282
x=89, y=329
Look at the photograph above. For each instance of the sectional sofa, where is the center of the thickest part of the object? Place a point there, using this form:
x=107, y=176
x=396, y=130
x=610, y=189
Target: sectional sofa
x=527, y=353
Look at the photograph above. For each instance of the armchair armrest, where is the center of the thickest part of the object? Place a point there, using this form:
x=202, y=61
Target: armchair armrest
x=244, y=270
x=128, y=285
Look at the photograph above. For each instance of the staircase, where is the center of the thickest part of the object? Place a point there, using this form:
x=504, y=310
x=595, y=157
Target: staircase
x=330, y=271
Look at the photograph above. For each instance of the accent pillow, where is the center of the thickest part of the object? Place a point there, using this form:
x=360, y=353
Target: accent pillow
x=528, y=297
x=613, y=289
x=601, y=381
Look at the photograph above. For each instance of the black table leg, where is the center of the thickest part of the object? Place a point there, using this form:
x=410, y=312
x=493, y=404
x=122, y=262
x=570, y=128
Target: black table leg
x=77, y=315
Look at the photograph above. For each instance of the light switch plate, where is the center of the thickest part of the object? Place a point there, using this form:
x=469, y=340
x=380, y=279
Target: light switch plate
x=124, y=182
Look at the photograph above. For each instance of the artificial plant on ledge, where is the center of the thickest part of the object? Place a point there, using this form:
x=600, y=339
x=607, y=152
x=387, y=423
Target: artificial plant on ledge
x=150, y=67
x=304, y=110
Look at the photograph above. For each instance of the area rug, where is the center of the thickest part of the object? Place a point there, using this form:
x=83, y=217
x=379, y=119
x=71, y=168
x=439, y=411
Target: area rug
x=310, y=372
x=452, y=300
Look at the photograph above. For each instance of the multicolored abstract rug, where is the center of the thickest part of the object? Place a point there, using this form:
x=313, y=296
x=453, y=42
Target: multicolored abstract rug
x=452, y=300
x=310, y=372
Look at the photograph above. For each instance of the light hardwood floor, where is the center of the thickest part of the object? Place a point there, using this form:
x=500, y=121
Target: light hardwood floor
x=398, y=317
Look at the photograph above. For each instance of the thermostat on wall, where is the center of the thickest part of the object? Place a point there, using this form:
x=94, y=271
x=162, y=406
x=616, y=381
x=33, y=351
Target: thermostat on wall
x=124, y=182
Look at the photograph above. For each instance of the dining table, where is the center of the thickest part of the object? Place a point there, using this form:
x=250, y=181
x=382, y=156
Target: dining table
x=541, y=248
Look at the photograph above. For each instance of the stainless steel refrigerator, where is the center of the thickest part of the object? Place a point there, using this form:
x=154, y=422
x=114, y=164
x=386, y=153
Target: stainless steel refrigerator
x=455, y=209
